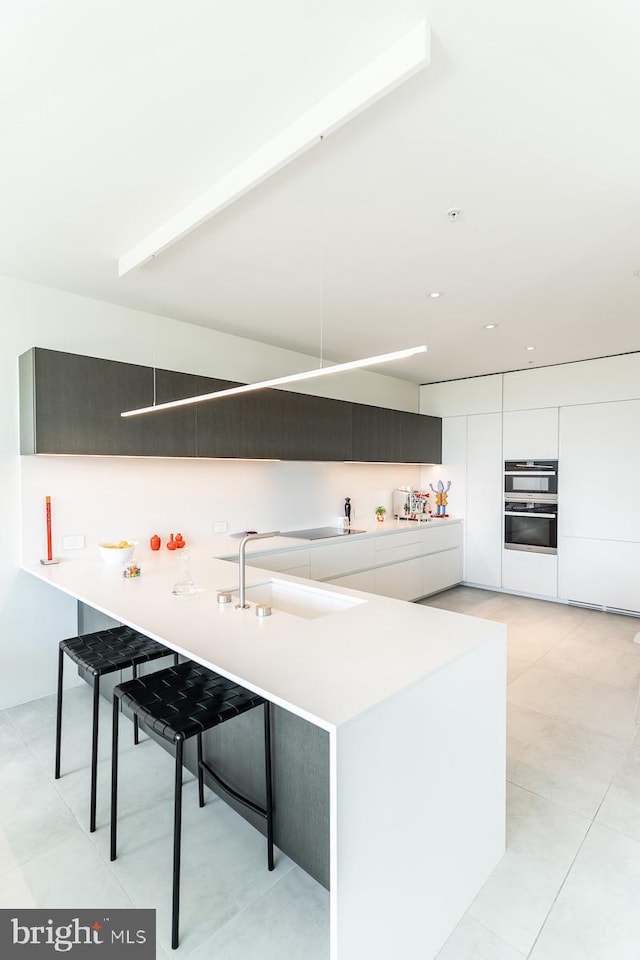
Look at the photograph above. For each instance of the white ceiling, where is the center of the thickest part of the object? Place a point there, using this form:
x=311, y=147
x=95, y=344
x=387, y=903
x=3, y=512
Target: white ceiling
x=114, y=116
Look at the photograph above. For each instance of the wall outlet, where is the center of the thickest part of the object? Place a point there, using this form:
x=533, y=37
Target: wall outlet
x=75, y=542
x=356, y=514
x=220, y=526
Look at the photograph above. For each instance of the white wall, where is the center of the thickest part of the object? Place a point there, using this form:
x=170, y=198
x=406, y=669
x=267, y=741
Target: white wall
x=135, y=497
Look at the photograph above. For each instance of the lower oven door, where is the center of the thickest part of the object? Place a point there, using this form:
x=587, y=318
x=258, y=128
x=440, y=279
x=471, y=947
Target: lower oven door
x=535, y=532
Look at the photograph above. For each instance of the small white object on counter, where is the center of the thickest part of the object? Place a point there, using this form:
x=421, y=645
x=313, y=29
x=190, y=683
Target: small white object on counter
x=111, y=553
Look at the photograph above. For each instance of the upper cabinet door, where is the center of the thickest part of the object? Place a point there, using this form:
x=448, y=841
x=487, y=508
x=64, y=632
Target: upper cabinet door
x=273, y=424
x=394, y=436
x=72, y=404
x=531, y=434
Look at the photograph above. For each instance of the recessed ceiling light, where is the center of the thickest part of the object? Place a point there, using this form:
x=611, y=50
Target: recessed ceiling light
x=636, y=273
x=435, y=294
x=491, y=326
x=529, y=348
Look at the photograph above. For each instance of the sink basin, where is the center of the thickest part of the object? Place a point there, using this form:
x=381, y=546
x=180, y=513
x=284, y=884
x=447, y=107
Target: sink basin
x=299, y=600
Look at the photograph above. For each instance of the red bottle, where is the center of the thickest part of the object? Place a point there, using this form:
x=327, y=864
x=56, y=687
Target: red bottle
x=180, y=541
x=155, y=542
x=171, y=543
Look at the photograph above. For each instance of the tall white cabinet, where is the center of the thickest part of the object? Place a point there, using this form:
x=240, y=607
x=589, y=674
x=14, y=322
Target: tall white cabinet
x=483, y=521
x=599, y=526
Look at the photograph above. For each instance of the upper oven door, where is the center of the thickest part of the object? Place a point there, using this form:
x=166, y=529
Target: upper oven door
x=532, y=477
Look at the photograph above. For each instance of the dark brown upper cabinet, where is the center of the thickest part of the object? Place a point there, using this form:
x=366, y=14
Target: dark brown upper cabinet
x=71, y=404
x=395, y=436
x=273, y=424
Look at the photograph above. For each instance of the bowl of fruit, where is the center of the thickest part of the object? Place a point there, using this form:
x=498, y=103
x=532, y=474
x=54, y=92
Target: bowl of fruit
x=117, y=551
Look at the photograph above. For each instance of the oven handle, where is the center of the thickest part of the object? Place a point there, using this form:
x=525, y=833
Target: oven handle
x=530, y=513
x=530, y=473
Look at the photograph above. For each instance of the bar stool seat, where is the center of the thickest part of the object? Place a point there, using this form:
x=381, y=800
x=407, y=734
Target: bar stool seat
x=178, y=703
x=101, y=653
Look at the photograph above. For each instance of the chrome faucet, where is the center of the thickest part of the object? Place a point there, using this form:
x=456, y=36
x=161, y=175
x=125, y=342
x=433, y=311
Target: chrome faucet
x=241, y=605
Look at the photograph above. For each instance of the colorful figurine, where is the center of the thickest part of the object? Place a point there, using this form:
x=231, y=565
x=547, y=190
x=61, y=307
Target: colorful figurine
x=441, y=497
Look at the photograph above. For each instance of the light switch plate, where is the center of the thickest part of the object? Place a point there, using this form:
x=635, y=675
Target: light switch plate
x=220, y=526
x=75, y=542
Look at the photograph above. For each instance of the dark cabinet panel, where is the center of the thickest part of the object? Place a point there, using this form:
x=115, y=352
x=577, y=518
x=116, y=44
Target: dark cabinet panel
x=273, y=424
x=72, y=404
x=394, y=436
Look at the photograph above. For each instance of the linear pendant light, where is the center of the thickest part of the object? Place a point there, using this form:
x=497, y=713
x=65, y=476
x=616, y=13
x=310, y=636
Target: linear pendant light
x=279, y=381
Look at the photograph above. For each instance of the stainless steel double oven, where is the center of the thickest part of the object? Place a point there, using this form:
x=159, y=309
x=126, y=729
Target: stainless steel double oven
x=531, y=505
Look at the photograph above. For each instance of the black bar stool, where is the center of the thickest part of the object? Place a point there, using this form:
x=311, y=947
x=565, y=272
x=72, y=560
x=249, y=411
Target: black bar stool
x=179, y=703
x=105, y=651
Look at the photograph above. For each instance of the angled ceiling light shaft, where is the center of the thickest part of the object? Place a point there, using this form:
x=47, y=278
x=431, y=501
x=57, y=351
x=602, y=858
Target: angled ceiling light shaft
x=396, y=64
x=279, y=381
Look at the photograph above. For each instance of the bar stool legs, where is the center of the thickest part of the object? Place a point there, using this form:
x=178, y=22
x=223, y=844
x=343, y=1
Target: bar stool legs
x=94, y=754
x=177, y=828
x=266, y=812
x=269, y=782
x=59, y=713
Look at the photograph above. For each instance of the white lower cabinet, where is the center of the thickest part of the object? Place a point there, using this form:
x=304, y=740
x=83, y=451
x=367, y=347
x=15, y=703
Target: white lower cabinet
x=335, y=559
x=365, y=580
x=526, y=572
x=402, y=565
x=442, y=570
x=600, y=572
x=402, y=581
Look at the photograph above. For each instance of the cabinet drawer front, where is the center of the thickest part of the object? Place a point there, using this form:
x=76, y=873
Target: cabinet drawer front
x=302, y=571
x=442, y=538
x=442, y=570
x=402, y=581
x=389, y=541
x=399, y=553
x=340, y=558
x=281, y=561
x=357, y=581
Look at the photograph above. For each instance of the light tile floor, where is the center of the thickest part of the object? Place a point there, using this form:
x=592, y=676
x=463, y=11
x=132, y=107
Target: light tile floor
x=567, y=888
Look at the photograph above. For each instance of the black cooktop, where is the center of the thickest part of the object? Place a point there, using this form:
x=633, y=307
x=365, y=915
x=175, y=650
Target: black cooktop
x=320, y=533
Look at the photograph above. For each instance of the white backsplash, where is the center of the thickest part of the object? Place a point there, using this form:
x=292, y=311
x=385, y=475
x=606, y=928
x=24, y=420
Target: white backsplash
x=121, y=497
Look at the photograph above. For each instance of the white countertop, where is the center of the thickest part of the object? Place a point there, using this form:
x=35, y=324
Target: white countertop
x=327, y=670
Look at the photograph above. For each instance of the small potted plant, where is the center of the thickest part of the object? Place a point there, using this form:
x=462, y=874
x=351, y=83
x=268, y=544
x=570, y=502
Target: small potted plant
x=380, y=513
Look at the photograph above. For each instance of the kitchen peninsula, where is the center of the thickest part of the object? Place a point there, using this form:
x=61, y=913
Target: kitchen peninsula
x=410, y=699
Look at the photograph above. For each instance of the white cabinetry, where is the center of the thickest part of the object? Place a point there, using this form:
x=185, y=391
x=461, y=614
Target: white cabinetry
x=339, y=558
x=483, y=523
x=365, y=580
x=403, y=581
x=442, y=570
x=535, y=573
x=406, y=564
x=530, y=434
x=599, y=471
x=599, y=496
x=294, y=562
x=602, y=572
